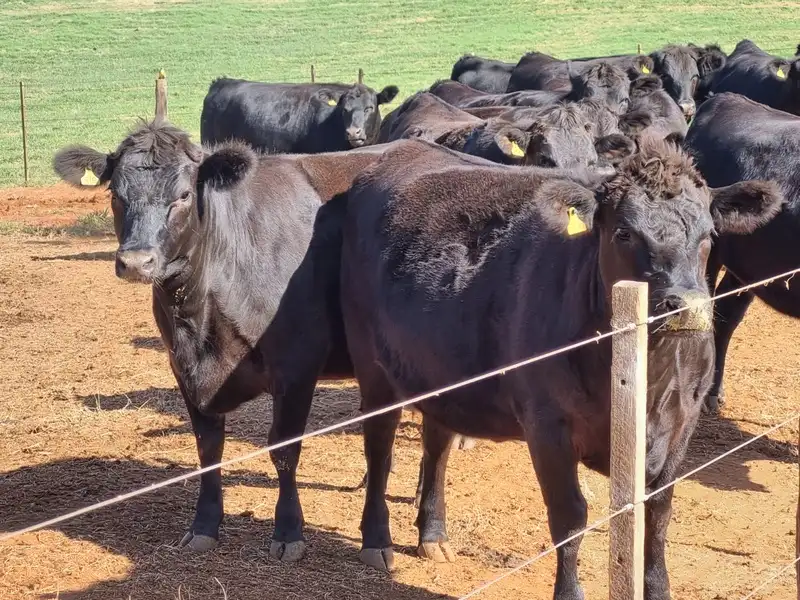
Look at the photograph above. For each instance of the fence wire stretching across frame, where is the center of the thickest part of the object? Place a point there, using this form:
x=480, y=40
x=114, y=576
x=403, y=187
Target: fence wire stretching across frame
x=396, y=406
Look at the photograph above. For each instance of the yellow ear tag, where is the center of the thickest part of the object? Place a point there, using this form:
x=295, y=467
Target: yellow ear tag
x=575, y=225
x=89, y=178
x=516, y=150
x=645, y=70
x=780, y=73
x=331, y=102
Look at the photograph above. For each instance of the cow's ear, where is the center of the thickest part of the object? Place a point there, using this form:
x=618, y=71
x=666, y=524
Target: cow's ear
x=327, y=98
x=388, y=94
x=635, y=121
x=646, y=84
x=512, y=142
x=226, y=167
x=710, y=59
x=614, y=147
x=743, y=207
x=645, y=64
x=780, y=69
x=566, y=206
x=676, y=137
x=83, y=166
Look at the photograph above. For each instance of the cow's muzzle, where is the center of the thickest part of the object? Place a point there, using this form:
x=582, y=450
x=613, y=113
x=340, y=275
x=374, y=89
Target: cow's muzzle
x=688, y=109
x=695, y=312
x=356, y=137
x=136, y=266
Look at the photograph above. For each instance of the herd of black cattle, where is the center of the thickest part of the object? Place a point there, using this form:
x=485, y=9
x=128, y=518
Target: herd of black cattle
x=484, y=220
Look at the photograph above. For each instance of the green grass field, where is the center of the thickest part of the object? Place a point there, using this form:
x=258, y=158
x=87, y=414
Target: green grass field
x=89, y=65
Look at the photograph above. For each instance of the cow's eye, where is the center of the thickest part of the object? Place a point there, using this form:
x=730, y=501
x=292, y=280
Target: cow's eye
x=185, y=195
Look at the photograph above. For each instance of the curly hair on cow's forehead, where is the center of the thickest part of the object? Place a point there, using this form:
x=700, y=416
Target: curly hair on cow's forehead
x=157, y=141
x=659, y=167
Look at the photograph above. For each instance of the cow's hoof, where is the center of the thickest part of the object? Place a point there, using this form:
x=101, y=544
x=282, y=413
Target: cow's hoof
x=712, y=404
x=198, y=543
x=287, y=551
x=439, y=552
x=378, y=558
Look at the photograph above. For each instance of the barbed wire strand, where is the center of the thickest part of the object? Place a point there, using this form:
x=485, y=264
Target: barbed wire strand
x=627, y=508
x=383, y=410
x=769, y=581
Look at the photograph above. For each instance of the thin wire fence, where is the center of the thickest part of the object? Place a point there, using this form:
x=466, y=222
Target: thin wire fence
x=494, y=373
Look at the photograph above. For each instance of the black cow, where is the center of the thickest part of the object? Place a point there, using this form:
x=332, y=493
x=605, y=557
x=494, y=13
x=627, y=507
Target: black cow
x=485, y=74
x=293, y=118
x=603, y=82
x=452, y=266
x=667, y=120
x=245, y=298
x=539, y=71
x=682, y=68
x=426, y=116
x=556, y=136
x=760, y=76
x=733, y=138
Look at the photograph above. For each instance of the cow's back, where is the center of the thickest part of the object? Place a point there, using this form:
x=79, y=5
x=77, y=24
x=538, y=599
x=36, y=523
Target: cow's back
x=484, y=74
x=752, y=72
x=270, y=117
x=733, y=139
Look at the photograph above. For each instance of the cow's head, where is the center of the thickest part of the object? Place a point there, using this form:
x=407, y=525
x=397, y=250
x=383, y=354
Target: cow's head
x=654, y=220
x=560, y=136
x=359, y=110
x=678, y=68
x=152, y=177
x=639, y=66
x=710, y=59
x=603, y=82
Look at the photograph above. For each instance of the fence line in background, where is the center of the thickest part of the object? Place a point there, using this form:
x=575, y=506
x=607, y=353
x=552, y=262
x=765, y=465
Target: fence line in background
x=772, y=579
x=629, y=327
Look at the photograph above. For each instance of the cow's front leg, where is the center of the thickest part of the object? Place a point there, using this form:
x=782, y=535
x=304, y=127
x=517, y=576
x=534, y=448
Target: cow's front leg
x=209, y=433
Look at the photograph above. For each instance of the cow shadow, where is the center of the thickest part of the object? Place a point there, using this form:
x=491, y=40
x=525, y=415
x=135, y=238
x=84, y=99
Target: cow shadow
x=148, y=343
x=88, y=256
x=146, y=530
x=716, y=435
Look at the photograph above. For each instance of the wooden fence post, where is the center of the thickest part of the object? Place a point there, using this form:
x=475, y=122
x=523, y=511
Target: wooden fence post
x=628, y=440
x=24, y=131
x=360, y=75
x=161, y=95
x=638, y=48
x=797, y=530
x=313, y=75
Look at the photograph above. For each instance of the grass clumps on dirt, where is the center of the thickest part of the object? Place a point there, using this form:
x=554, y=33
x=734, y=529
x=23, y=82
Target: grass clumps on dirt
x=97, y=223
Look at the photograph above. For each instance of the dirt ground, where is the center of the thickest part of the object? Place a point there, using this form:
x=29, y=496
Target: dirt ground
x=89, y=409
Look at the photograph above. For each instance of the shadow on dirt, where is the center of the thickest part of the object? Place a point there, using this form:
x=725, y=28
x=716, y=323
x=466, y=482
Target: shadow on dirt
x=146, y=530
x=148, y=343
x=714, y=436
x=80, y=256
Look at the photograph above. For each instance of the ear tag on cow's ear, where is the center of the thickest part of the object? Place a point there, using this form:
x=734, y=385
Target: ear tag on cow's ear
x=780, y=73
x=516, y=151
x=645, y=70
x=331, y=102
x=89, y=178
x=575, y=225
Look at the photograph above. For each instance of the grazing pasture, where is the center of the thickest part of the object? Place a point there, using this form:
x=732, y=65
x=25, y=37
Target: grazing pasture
x=89, y=65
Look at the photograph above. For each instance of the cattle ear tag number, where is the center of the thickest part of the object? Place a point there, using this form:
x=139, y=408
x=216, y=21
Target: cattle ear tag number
x=516, y=151
x=574, y=225
x=645, y=70
x=89, y=178
x=331, y=102
x=780, y=73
